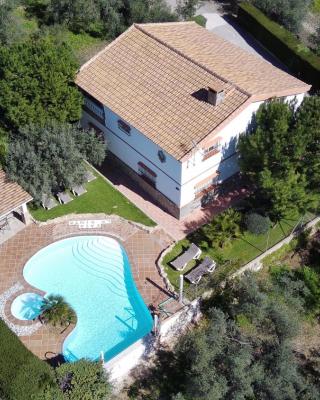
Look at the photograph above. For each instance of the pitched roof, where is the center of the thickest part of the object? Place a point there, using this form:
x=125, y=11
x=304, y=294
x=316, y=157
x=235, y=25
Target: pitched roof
x=156, y=83
x=11, y=195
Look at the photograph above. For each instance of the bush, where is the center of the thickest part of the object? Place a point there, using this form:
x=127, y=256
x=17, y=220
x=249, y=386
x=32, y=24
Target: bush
x=299, y=59
x=200, y=20
x=256, y=223
x=22, y=375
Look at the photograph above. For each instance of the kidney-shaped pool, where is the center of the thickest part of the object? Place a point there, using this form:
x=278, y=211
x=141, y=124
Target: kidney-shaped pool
x=93, y=274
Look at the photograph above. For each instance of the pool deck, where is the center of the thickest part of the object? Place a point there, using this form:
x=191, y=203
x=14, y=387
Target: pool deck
x=143, y=247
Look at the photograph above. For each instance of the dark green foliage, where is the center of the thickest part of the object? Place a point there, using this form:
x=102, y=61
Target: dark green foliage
x=10, y=29
x=187, y=8
x=83, y=380
x=241, y=351
x=56, y=311
x=222, y=228
x=22, y=375
x=37, y=84
x=299, y=59
x=257, y=223
x=272, y=155
x=307, y=126
x=50, y=158
x=315, y=40
x=200, y=20
x=289, y=13
x=104, y=18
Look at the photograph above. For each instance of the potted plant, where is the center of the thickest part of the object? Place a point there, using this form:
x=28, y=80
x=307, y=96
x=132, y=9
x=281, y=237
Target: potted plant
x=56, y=311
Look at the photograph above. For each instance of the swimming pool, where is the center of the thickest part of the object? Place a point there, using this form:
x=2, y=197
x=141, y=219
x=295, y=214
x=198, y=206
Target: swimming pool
x=93, y=274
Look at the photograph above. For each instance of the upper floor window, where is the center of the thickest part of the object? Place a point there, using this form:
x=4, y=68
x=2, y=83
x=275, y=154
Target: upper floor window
x=211, y=150
x=162, y=156
x=124, y=127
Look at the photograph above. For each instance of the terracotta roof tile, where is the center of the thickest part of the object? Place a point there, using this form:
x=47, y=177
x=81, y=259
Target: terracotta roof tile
x=11, y=195
x=152, y=75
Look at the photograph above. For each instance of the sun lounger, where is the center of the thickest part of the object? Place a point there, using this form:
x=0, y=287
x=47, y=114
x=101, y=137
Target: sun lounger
x=64, y=197
x=89, y=176
x=78, y=190
x=192, y=253
x=48, y=202
x=195, y=275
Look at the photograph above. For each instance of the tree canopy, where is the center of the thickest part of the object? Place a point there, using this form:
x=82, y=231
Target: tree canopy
x=279, y=154
x=104, y=18
x=48, y=158
x=37, y=84
x=289, y=13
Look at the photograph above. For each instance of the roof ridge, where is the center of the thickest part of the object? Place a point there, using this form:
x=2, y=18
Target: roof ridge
x=108, y=46
x=182, y=54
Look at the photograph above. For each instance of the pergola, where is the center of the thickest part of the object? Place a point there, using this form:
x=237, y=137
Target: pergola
x=13, y=202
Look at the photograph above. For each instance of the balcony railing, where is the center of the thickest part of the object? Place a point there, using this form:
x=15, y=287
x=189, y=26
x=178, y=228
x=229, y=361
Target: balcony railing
x=94, y=109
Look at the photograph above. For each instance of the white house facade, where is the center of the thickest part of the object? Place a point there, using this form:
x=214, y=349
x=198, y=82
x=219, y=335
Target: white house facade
x=170, y=117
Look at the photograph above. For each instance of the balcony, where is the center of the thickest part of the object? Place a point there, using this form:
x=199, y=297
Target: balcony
x=94, y=109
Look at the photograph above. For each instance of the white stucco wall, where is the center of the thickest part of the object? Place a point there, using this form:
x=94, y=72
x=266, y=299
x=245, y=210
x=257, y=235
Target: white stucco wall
x=137, y=147
x=177, y=180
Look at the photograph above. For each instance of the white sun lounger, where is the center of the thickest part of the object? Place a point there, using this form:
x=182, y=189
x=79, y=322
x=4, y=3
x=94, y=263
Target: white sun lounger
x=89, y=176
x=195, y=275
x=192, y=253
x=48, y=202
x=78, y=190
x=64, y=197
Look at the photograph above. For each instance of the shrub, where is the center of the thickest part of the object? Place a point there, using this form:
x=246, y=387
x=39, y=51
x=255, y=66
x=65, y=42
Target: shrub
x=22, y=375
x=83, y=380
x=256, y=223
x=200, y=20
x=299, y=59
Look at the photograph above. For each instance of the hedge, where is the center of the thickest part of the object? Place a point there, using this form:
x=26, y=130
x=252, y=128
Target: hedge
x=300, y=60
x=22, y=375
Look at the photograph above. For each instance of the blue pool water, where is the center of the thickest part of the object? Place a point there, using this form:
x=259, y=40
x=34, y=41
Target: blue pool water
x=93, y=274
x=27, y=306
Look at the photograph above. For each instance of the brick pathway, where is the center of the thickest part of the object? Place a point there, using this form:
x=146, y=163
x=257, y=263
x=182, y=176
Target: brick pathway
x=143, y=248
x=175, y=228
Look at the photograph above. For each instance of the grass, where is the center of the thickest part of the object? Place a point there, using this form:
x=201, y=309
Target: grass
x=316, y=6
x=239, y=252
x=22, y=373
x=101, y=197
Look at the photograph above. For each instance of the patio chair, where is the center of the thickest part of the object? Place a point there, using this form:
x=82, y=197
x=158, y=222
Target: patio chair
x=89, y=176
x=78, y=190
x=48, y=202
x=193, y=253
x=64, y=197
x=195, y=275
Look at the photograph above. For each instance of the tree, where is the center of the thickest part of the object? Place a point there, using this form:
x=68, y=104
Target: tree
x=223, y=228
x=50, y=158
x=3, y=146
x=83, y=380
x=186, y=9
x=78, y=15
x=56, y=311
x=37, y=84
x=10, y=29
x=289, y=13
x=271, y=155
x=307, y=126
x=257, y=223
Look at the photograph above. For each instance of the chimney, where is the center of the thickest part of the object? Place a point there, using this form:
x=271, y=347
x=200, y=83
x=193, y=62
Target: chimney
x=215, y=97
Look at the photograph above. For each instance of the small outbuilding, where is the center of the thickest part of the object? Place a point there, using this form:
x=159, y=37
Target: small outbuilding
x=14, y=213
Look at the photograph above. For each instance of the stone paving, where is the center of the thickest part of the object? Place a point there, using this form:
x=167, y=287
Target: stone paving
x=143, y=247
x=177, y=229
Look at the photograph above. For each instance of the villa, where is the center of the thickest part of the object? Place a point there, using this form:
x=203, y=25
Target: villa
x=170, y=100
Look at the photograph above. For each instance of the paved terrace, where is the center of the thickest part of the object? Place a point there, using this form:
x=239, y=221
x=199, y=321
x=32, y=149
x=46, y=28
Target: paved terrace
x=233, y=190
x=143, y=248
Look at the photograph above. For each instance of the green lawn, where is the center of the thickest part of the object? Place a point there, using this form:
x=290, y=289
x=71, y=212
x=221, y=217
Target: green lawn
x=240, y=251
x=101, y=197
